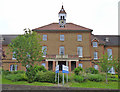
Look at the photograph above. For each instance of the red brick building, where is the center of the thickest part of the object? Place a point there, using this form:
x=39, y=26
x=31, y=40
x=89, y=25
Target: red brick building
x=66, y=43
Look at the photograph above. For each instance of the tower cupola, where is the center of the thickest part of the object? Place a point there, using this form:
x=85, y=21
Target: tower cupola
x=62, y=17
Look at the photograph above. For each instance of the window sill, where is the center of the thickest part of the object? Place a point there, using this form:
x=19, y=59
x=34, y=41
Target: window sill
x=95, y=58
x=80, y=56
x=13, y=58
x=43, y=56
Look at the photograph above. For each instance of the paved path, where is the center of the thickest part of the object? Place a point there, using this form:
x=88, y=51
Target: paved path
x=29, y=87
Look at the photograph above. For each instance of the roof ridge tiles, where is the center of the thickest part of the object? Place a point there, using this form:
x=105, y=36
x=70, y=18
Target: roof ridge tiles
x=56, y=26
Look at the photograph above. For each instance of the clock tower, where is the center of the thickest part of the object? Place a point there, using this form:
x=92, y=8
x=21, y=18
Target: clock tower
x=62, y=17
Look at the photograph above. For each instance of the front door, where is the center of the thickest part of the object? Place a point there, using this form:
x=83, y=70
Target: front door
x=73, y=65
x=60, y=63
x=50, y=65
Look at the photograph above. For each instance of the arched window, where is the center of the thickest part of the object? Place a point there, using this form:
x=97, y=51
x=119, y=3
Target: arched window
x=63, y=17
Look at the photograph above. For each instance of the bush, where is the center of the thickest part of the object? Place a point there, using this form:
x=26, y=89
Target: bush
x=91, y=70
x=48, y=76
x=45, y=77
x=39, y=68
x=16, y=77
x=96, y=77
x=31, y=73
x=80, y=68
x=79, y=78
x=112, y=79
x=76, y=71
x=6, y=72
x=19, y=71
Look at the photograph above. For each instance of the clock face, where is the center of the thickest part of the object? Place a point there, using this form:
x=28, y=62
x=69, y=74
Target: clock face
x=62, y=22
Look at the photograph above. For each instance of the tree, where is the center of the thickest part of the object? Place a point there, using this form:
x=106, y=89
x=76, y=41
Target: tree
x=106, y=63
x=27, y=48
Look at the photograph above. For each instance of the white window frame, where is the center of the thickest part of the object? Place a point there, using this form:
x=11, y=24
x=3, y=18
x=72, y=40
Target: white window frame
x=62, y=37
x=95, y=44
x=61, y=47
x=80, y=65
x=112, y=70
x=79, y=37
x=96, y=67
x=95, y=55
x=109, y=53
x=80, y=51
x=43, y=64
x=44, y=50
x=13, y=56
x=15, y=67
x=44, y=37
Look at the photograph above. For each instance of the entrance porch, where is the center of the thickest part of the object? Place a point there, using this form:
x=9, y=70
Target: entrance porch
x=50, y=65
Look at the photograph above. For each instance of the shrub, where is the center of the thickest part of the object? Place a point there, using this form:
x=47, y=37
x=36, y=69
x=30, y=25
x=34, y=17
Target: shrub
x=45, y=77
x=96, y=77
x=6, y=72
x=79, y=78
x=48, y=76
x=16, y=72
x=91, y=70
x=39, y=68
x=16, y=77
x=30, y=73
x=80, y=68
x=76, y=71
x=112, y=79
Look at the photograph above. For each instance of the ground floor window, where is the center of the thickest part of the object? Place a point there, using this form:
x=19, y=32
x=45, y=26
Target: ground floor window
x=112, y=71
x=96, y=67
x=13, y=67
x=43, y=64
x=80, y=65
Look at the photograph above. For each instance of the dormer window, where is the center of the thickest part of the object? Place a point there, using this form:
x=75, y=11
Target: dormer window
x=107, y=39
x=95, y=44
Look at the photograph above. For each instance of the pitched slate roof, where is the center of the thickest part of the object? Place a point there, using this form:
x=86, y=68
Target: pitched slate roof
x=56, y=27
x=93, y=37
x=7, y=39
x=113, y=39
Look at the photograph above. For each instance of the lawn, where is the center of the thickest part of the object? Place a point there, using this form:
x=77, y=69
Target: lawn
x=90, y=84
x=5, y=81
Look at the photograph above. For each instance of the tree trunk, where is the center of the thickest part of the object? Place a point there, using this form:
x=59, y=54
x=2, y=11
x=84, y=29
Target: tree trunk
x=106, y=78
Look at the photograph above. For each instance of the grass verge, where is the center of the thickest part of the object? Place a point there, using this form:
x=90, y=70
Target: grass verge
x=5, y=81
x=89, y=84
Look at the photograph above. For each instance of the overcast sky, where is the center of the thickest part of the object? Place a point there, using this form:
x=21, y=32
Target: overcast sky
x=99, y=15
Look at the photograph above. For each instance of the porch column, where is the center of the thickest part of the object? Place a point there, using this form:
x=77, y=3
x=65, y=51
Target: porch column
x=66, y=63
x=53, y=65
x=69, y=66
x=77, y=63
x=47, y=65
x=56, y=63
